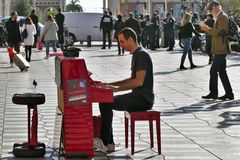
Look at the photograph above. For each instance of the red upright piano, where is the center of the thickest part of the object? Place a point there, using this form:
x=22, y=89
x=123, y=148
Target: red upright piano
x=76, y=93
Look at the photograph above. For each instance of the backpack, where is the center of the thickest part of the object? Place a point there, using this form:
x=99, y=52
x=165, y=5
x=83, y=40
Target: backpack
x=233, y=30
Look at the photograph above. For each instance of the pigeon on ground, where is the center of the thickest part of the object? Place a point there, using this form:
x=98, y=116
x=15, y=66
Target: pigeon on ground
x=34, y=83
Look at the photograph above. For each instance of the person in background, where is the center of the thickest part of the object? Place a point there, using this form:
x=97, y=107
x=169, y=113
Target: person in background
x=34, y=19
x=146, y=31
x=29, y=41
x=118, y=26
x=133, y=23
x=59, y=17
x=170, y=31
x=14, y=39
x=187, y=29
x=210, y=23
x=220, y=49
x=106, y=25
x=154, y=32
x=141, y=83
x=49, y=35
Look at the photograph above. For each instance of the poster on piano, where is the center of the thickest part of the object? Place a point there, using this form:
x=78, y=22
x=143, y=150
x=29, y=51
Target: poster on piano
x=77, y=92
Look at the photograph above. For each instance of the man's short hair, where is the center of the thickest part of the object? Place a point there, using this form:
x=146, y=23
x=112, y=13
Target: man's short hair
x=128, y=32
x=212, y=4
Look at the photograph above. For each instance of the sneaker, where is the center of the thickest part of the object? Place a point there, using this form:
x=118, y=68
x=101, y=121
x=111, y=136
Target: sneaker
x=99, y=146
x=11, y=65
x=111, y=147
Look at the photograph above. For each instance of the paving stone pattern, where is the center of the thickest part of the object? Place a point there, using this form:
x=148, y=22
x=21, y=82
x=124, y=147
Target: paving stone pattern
x=191, y=128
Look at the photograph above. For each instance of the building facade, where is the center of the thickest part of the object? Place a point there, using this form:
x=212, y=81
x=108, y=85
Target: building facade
x=45, y=5
x=150, y=6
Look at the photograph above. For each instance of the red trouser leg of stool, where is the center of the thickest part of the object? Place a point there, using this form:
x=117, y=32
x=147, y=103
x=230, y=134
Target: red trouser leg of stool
x=151, y=132
x=33, y=140
x=132, y=135
x=126, y=132
x=158, y=134
x=29, y=124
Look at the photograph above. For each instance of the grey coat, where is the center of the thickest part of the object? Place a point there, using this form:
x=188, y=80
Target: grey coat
x=49, y=31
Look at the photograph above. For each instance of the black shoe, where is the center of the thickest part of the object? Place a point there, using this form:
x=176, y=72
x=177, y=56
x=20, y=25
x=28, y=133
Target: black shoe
x=227, y=97
x=170, y=49
x=193, y=66
x=182, y=68
x=210, y=96
x=103, y=48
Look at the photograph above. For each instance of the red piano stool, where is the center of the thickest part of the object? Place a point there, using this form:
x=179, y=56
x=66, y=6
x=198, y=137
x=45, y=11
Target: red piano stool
x=31, y=148
x=142, y=116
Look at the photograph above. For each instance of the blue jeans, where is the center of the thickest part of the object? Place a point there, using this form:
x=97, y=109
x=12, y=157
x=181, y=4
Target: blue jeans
x=53, y=43
x=187, y=50
x=127, y=102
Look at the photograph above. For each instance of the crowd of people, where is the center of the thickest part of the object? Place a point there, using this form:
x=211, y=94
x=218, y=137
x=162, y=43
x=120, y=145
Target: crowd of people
x=147, y=29
x=52, y=33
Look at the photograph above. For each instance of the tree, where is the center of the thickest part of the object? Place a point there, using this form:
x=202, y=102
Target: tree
x=22, y=7
x=234, y=6
x=74, y=7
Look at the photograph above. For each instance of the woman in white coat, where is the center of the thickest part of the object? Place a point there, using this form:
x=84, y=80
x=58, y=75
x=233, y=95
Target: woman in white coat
x=28, y=42
x=49, y=34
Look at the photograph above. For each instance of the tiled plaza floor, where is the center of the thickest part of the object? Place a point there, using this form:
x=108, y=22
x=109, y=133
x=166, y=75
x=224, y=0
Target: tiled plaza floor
x=191, y=128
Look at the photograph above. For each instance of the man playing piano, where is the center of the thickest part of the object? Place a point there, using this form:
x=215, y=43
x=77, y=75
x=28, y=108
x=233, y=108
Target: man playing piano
x=141, y=83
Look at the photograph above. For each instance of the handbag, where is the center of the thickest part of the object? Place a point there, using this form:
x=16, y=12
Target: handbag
x=24, y=33
x=40, y=44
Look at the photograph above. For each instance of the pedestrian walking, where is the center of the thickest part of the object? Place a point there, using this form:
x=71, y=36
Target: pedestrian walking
x=220, y=49
x=49, y=35
x=34, y=19
x=186, y=31
x=14, y=39
x=29, y=41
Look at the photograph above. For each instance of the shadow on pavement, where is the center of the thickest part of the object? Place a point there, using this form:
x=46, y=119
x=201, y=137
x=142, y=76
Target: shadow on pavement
x=230, y=117
x=176, y=70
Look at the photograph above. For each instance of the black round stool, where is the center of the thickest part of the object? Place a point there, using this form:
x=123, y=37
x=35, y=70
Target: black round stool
x=31, y=148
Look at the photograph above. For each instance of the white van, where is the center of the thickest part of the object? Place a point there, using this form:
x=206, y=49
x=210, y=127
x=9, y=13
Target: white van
x=83, y=26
